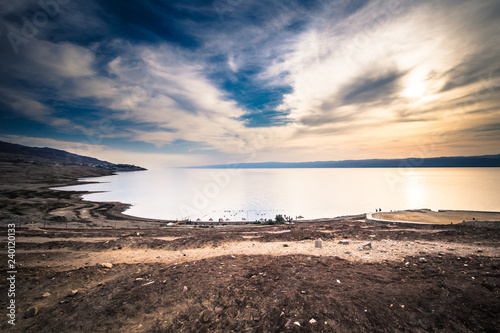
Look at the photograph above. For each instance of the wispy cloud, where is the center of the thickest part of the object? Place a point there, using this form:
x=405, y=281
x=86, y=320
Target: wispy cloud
x=294, y=81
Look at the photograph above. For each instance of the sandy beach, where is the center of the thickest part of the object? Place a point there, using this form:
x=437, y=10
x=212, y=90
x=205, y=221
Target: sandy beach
x=439, y=217
x=78, y=273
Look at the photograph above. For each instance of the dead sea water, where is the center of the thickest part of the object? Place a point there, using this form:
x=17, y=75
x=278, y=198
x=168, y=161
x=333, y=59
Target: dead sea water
x=253, y=194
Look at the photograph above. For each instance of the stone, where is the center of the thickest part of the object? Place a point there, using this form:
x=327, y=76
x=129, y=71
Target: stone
x=422, y=260
x=185, y=289
x=107, y=265
x=296, y=323
x=46, y=294
x=312, y=321
x=73, y=293
x=31, y=312
x=318, y=244
x=366, y=246
x=344, y=242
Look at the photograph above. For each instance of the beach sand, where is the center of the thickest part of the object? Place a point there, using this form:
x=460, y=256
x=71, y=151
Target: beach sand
x=439, y=217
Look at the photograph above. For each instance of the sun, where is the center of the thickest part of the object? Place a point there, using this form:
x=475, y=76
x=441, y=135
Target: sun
x=415, y=90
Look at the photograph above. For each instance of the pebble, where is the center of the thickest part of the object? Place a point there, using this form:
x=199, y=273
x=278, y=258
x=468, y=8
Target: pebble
x=46, y=294
x=107, y=265
x=185, y=289
x=296, y=323
x=344, y=242
x=422, y=260
x=366, y=246
x=31, y=312
x=72, y=293
x=312, y=321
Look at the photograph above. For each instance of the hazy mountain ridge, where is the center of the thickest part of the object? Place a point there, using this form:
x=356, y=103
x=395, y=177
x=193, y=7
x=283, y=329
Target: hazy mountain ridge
x=434, y=162
x=19, y=153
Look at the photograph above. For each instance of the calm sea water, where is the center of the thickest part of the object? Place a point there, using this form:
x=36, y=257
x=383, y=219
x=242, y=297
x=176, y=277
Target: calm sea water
x=253, y=194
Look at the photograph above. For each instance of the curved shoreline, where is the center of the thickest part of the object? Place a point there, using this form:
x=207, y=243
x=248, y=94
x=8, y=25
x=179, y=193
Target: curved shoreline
x=28, y=198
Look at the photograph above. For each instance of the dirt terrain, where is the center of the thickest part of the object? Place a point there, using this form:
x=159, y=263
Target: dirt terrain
x=152, y=278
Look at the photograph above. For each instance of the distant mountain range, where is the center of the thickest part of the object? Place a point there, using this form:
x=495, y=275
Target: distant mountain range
x=434, y=162
x=18, y=153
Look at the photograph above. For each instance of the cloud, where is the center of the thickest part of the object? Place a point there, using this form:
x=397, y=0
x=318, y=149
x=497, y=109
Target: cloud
x=102, y=152
x=29, y=107
x=386, y=67
x=322, y=80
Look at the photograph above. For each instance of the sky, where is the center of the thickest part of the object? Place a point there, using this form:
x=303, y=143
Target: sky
x=186, y=83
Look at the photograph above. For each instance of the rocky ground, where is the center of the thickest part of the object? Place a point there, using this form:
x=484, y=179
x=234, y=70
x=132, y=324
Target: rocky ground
x=411, y=278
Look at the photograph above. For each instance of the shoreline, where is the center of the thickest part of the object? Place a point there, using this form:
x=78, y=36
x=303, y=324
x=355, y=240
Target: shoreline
x=61, y=208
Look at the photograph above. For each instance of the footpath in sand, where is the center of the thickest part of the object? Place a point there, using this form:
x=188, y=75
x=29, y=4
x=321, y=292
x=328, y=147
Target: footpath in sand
x=346, y=249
